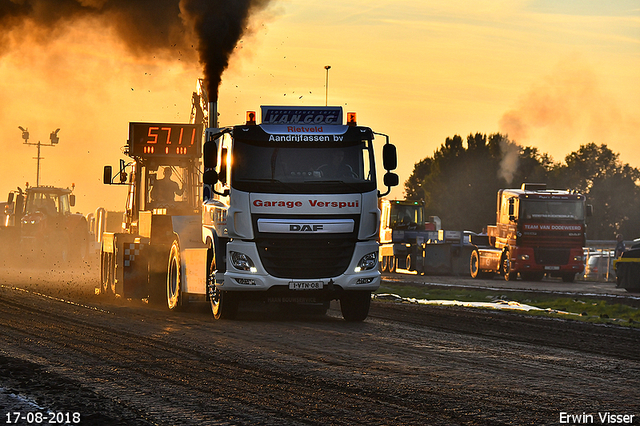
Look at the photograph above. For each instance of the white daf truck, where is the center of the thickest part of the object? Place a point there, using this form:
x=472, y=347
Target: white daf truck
x=291, y=210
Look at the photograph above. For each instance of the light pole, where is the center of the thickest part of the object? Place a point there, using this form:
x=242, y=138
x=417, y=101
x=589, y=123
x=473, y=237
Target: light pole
x=54, y=141
x=326, y=95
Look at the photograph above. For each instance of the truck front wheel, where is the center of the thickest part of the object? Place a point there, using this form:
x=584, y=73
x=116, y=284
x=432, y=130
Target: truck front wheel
x=224, y=304
x=509, y=275
x=355, y=305
x=174, y=278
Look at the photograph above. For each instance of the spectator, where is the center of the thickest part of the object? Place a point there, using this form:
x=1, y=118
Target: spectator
x=620, y=248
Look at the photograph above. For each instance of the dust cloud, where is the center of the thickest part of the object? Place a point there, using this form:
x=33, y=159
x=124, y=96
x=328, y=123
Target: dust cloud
x=89, y=67
x=51, y=276
x=569, y=108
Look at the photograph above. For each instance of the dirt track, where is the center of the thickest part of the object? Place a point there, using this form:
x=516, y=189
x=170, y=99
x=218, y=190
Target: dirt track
x=123, y=362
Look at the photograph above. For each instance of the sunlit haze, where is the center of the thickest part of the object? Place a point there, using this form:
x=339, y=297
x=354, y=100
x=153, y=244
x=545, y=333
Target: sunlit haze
x=550, y=74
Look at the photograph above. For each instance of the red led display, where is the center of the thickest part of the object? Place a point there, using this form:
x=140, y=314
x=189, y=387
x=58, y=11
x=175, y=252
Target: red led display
x=164, y=139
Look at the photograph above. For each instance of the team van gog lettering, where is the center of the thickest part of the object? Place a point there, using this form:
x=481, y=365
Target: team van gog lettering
x=312, y=203
x=295, y=117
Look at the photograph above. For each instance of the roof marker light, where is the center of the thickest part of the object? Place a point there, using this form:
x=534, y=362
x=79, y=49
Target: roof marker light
x=251, y=118
x=351, y=119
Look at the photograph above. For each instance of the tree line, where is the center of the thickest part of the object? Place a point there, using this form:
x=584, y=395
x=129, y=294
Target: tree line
x=460, y=181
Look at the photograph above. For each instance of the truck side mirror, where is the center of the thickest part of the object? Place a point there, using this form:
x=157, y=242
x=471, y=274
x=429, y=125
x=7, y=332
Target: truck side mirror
x=210, y=177
x=209, y=154
x=10, y=198
x=512, y=209
x=391, y=179
x=72, y=200
x=389, y=157
x=589, y=210
x=106, y=175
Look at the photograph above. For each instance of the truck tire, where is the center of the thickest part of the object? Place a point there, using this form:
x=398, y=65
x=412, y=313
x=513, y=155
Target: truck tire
x=174, y=278
x=384, y=264
x=107, y=274
x=355, y=305
x=410, y=263
x=568, y=277
x=104, y=272
x=509, y=275
x=393, y=263
x=474, y=266
x=224, y=304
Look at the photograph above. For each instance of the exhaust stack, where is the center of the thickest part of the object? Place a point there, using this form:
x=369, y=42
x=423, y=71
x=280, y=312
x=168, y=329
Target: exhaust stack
x=213, y=114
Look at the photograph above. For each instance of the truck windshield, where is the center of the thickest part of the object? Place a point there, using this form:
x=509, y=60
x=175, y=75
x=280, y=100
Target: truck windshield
x=174, y=187
x=297, y=167
x=48, y=203
x=552, y=209
x=405, y=216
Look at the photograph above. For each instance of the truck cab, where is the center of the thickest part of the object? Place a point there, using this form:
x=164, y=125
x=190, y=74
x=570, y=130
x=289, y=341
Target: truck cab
x=538, y=232
x=402, y=229
x=292, y=210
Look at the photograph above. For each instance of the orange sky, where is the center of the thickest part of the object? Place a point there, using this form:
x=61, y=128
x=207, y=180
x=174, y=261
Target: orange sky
x=551, y=74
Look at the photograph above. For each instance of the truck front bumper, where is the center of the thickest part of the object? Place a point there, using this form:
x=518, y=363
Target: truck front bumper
x=523, y=259
x=254, y=278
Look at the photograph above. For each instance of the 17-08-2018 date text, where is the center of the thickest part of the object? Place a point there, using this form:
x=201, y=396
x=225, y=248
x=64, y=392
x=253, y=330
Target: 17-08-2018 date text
x=42, y=417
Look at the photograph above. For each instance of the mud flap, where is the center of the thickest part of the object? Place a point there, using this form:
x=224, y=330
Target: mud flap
x=194, y=267
x=133, y=256
x=193, y=253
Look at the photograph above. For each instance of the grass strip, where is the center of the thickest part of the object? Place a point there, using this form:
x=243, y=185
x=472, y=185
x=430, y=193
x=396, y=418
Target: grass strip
x=584, y=308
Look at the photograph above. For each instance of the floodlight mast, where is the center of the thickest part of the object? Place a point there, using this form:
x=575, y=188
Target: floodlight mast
x=54, y=141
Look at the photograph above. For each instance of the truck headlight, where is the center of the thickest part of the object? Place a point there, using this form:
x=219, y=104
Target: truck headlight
x=368, y=262
x=524, y=257
x=242, y=262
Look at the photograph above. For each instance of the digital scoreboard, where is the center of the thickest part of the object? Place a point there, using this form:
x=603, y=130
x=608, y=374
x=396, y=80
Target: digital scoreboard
x=165, y=140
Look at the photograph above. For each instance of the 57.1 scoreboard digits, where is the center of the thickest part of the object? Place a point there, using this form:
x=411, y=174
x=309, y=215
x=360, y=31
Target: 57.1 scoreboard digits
x=164, y=139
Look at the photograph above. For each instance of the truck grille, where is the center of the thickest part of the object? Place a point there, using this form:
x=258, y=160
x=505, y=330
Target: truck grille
x=551, y=256
x=306, y=257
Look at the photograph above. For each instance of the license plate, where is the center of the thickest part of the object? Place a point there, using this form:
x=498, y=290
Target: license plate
x=552, y=268
x=305, y=285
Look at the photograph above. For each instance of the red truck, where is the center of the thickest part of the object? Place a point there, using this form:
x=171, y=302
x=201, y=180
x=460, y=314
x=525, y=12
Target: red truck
x=538, y=231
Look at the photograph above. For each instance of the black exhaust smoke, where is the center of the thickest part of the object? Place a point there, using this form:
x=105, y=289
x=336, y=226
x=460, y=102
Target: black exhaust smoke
x=147, y=27
x=218, y=25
